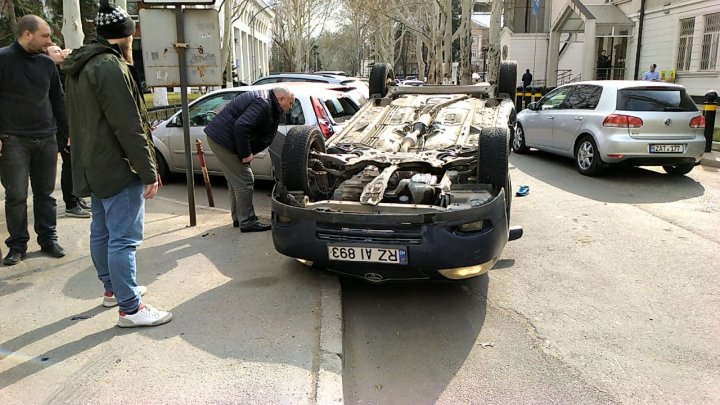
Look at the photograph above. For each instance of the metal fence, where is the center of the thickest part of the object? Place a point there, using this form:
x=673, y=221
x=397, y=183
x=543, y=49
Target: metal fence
x=157, y=115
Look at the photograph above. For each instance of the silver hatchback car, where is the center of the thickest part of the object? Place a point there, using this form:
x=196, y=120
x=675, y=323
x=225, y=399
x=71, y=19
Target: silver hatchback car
x=603, y=123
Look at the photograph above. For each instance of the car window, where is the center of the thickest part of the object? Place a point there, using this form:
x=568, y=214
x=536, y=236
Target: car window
x=203, y=112
x=555, y=98
x=654, y=99
x=585, y=97
x=295, y=116
x=341, y=108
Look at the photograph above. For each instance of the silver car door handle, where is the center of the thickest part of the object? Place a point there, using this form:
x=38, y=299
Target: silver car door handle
x=578, y=118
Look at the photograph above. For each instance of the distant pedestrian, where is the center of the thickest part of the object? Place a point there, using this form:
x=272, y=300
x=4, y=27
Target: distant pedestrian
x=527, y=78
x=31, y=112
x=74, y=206
x=603, y=66
x=113, y=159
x=245, y=127
x=651, y=74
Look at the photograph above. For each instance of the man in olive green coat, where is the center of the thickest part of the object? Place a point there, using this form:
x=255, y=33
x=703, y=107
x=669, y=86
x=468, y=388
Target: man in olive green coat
x=113, y=159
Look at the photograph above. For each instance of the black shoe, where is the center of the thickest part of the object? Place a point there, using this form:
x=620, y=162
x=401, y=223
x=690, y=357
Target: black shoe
x=13, y=257
x=236, y=224
x=53, y=250
x=84, y=205
x=256, y=227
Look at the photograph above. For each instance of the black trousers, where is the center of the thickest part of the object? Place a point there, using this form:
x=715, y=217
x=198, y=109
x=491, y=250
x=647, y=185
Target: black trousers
x=66, y=183
x=33, y=159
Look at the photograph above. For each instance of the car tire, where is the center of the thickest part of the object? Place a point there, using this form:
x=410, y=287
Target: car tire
x=587, y=157
x=507, y=82
x=679, y=169
x=381, y=76
x=492, y=154
x=296, y=161
x=518, y=141
x=163, y=170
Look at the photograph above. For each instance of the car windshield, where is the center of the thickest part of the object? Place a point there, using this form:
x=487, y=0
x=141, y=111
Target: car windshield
x=654, y=99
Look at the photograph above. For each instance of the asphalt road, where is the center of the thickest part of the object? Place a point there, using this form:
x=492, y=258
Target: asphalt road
x=611, y=296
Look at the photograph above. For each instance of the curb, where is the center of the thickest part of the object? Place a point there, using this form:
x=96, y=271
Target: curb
x=329, y=389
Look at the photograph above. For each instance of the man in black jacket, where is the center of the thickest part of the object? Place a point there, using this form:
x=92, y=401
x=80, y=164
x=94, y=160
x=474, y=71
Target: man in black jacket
x=31, y=100
x=245, y=127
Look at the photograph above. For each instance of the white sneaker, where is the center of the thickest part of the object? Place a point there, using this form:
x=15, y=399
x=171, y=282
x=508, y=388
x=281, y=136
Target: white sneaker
x=145, y=316
x=111, y=301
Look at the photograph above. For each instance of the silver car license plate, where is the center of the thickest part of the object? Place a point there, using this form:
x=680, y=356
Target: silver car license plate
x=662, y=148
x=367, y=254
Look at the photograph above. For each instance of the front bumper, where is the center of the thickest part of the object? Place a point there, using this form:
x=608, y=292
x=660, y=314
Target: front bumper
x=433, y=242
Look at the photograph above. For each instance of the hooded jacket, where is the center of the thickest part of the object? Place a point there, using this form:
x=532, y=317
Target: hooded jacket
x=111, y=140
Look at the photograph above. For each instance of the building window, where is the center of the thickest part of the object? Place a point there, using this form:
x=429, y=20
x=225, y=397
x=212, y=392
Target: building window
x=711, y=39
x=687, y=26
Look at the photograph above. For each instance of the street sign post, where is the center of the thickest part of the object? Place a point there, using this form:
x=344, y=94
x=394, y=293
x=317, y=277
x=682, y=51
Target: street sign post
x=165, y=53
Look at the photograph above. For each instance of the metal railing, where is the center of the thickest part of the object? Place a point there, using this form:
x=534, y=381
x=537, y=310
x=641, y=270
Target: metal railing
x=156, y=115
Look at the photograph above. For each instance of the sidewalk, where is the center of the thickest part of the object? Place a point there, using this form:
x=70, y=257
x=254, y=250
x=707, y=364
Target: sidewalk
x=712, y=159
x=249, y=326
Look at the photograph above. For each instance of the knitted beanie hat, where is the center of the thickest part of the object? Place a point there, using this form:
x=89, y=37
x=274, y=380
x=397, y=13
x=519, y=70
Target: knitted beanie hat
x=112, y=22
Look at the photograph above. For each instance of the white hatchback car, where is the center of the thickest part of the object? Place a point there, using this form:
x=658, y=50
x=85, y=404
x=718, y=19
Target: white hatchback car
x=602, y=123
x=317, y=104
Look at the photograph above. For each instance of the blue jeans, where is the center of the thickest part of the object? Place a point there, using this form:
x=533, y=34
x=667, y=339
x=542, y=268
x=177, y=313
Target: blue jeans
x=116, y=231
x=35, y=159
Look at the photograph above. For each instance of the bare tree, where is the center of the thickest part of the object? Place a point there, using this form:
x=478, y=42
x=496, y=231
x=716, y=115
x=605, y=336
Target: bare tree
x=9, y=11
x=493, y=53
x=303, y=22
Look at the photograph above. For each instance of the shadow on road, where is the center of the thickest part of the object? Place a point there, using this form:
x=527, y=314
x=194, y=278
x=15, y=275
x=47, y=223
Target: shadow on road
x=404, y=343
x=630, y=185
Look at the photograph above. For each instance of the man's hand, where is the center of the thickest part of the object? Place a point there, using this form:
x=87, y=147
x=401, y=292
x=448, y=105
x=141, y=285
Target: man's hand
x=150, y=191
x=248, y=159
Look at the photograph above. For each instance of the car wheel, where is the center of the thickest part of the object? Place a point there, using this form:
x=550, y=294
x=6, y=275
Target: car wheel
x=679, y=169
x=507, y=81
x=381, y=76
x=587, y=157
x=162, y=167
x=492, y=165
x=300, y=171
x=518, y=142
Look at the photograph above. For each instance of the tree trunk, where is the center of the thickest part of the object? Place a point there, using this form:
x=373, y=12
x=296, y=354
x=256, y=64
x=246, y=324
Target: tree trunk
x=227, y=43
x=419, y=58
x=447, y=42
x=465, y=43
x=160, y=97
x=12, y=19
x=493, y=54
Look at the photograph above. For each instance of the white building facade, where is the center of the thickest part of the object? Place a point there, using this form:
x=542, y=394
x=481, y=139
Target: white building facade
x=251, y=38
x=562, y=40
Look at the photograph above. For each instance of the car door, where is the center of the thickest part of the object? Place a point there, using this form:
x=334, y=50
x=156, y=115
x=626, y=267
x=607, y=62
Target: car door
x=571, y=115
x=538, y=123
x=200, y=114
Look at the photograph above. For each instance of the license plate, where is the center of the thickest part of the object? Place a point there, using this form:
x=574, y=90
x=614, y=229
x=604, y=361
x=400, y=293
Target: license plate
x=667, y=149
x=367, y=254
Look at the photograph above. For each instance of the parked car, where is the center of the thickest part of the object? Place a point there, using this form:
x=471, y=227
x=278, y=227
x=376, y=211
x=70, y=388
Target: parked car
x=603, y=123
x=412, y=82
x=318, y=77
x=324, y=106
x=415, y=186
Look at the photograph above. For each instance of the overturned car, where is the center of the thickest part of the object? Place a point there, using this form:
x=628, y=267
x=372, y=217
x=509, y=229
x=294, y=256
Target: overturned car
x=414, y=187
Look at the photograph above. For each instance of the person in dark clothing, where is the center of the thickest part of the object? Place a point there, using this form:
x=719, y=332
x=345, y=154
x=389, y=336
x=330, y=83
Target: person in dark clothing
x=32, y=110
x=603, y=66
x=246, y=126
x=527, y=78
x=113, y=159
x=74, y=206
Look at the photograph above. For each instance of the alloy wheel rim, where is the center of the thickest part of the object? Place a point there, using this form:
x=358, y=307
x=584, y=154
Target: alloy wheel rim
x=517, y=139
x=585, y=155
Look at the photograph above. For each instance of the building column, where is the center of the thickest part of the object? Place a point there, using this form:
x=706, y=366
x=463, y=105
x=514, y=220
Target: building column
x=552, y=59
x=589, y=51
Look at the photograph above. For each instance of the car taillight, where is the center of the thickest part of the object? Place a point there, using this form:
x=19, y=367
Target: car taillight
x=322, y=118
x=697, y=122
x=622, y=121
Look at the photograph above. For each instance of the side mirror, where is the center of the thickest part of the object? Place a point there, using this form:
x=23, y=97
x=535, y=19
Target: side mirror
x=175, y=121
x=532, y=106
